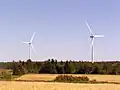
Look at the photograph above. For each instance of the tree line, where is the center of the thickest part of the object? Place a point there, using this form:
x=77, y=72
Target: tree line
x=52, y=66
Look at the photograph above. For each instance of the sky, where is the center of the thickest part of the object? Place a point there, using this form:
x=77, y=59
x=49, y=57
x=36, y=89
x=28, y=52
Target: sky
x=61, y=32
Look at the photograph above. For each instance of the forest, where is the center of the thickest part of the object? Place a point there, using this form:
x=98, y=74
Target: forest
x=52, y=66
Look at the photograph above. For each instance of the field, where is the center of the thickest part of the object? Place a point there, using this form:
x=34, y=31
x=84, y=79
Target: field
x=46, y=77
x=17, y=85
x=6, y=85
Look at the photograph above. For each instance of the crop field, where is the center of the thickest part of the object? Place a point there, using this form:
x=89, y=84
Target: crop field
x=20, y=85
x=46, y=77
x=12, y=85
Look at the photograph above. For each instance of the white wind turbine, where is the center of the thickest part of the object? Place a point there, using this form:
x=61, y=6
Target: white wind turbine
x=92, y=36
x=30, y=44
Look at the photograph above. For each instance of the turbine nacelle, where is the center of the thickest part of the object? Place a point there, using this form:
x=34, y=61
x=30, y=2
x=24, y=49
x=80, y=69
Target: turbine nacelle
x=29, y=43
x=91, y=36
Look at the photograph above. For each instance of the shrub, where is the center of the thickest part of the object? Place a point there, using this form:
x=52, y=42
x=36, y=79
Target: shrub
x=71, y=79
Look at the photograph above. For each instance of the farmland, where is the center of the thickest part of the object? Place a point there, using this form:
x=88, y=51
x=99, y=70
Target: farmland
x=13, y=85
x=46, y=77
x=17, y=85
x=6, y=85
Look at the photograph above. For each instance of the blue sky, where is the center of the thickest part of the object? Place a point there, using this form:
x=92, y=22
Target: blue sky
x=61, y=32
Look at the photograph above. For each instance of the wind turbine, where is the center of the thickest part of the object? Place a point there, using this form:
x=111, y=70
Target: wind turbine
x=92, y=37
x=30, y=44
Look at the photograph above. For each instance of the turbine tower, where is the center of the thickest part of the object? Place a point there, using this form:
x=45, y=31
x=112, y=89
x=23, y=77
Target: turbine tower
x=92, y=37
x=30, y=44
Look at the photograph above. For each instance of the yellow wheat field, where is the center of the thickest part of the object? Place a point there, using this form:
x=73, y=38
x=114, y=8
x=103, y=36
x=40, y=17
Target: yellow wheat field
x=110, y=78
x=12, y=85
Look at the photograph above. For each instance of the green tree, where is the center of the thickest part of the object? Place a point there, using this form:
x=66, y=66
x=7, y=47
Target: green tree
x=18, y=69
x=48, y=67
x=69, y=67
x=29, y=66
x=60, y=69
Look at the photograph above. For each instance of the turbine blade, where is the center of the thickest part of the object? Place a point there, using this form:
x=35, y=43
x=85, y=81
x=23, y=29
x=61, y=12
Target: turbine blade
x=33, y=48
x=25, y=42
x=99, y=36
x=32, y=37
x=89, y=28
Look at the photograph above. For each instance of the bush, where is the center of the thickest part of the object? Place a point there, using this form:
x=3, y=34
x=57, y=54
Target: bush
x=71, y=79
